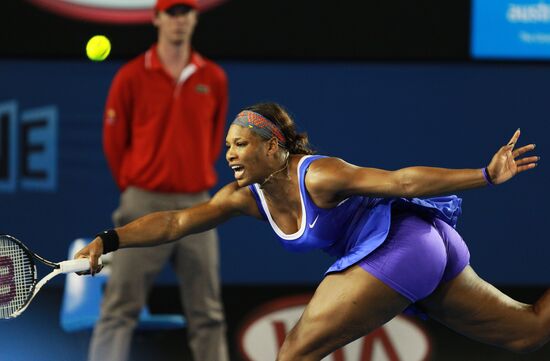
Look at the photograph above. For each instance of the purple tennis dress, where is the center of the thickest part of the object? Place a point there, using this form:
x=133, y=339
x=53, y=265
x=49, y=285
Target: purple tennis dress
x=409, y=244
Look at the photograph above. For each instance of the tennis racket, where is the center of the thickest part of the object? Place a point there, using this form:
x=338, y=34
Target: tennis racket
x=18, y=281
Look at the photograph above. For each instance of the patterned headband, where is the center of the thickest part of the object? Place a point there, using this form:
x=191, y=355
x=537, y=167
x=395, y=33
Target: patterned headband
x=259, y=125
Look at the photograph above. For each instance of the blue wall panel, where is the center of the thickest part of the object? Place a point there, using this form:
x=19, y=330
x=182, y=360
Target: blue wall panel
x=388, y=116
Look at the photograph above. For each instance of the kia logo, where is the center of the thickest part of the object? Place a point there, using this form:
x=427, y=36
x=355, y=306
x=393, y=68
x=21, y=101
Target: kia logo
x=110, y=11
x=264, y=330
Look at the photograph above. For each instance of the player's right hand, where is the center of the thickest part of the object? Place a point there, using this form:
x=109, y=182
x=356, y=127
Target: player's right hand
x=92, y=251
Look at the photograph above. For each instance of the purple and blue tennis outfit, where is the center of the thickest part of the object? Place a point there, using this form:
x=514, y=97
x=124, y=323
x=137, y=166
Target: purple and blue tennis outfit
x=410, y=244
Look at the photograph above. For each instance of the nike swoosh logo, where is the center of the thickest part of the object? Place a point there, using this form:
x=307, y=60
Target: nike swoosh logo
x=311, y=225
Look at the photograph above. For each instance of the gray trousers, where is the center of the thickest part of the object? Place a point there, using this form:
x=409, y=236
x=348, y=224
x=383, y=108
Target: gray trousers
x=195, y=260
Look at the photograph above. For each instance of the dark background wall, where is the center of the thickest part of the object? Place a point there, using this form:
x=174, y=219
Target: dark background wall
x=267, y=29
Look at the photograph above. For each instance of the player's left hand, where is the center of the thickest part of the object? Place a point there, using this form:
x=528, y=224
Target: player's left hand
x=508, y=161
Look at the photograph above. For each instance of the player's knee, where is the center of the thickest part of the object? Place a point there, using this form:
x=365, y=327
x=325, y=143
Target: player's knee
x=523, y=346
x=303, y=344
x=529, y=342
x=286, y=353
x=294, y=350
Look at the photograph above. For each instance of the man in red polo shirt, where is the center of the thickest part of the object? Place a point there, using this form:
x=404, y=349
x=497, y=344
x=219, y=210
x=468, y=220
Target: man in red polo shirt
x=163, y=131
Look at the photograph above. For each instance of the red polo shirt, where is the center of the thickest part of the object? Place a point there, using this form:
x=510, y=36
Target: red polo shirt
x=165, y=134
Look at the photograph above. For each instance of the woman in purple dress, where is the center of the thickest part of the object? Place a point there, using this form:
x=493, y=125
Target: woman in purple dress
x=393, y=250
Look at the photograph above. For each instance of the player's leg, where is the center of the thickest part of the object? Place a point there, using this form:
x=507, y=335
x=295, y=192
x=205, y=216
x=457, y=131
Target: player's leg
x=475, y=308
x=197, y=267
x=347, y=305
x=480, y=311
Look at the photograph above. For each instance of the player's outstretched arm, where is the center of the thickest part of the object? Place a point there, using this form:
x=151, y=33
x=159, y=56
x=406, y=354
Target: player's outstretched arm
x=331, y=180
x=163, y=227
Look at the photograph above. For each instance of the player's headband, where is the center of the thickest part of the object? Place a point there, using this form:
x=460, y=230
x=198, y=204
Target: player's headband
x=260, y=125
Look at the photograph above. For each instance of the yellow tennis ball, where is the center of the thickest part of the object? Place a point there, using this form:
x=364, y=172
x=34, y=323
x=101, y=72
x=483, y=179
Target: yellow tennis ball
x=98, y=48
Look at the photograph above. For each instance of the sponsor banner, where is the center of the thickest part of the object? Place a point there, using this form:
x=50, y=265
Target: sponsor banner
x=511, y=29
x=110, y=11
x=263, y=332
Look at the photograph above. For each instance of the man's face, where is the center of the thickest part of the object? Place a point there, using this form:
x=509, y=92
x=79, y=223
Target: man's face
x=176, y=24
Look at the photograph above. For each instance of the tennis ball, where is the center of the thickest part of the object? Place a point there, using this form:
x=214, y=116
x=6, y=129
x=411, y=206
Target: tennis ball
x=98, y=48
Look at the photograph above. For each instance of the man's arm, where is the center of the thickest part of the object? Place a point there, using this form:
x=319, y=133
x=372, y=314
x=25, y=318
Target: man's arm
x=116, y=125
x=220, y=117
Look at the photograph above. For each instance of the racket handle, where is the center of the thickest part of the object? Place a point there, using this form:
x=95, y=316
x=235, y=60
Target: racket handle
x=75, y=265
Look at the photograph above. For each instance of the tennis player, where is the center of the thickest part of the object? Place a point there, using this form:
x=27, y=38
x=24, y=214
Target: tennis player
x=394, y=251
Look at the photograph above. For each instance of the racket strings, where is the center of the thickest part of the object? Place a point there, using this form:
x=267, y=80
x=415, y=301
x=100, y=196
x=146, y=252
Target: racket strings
x=17, y=277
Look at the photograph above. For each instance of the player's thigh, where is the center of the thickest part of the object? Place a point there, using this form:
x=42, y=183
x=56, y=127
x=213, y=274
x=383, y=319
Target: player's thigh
x=477, y=309
x=345, y=306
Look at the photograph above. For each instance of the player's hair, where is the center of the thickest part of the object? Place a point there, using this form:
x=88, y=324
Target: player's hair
x=296, y=143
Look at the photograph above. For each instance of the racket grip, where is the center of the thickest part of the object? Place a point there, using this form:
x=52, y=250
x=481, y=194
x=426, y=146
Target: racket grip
x=76, y=265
